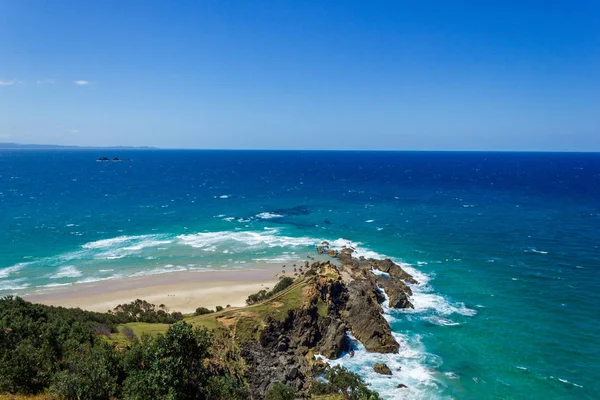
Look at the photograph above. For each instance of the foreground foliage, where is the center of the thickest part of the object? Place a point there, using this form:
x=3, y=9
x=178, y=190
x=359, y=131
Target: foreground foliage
x=338, y=380
x=58, y=350
x=71, y=354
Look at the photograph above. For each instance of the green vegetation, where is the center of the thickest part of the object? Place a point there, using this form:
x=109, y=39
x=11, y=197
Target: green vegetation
x=62, y=352
x=322, y=308
x=280, y=391
x=339, y=380
x=142, y=311
x=139, y=351
x=284, y=283
x=202, y=311
x=219, y=308
x=172, y=366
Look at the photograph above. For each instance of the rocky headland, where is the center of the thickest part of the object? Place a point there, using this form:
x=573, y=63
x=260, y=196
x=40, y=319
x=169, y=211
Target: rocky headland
x=279, y=341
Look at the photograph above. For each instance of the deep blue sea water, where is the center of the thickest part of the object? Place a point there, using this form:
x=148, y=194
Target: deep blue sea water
x=506, y=245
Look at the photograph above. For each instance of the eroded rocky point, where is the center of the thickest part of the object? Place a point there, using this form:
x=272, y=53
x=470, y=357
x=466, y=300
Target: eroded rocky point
x=279, y=338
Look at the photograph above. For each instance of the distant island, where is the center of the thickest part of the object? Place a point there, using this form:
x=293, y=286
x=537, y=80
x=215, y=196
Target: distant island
x=20, y=146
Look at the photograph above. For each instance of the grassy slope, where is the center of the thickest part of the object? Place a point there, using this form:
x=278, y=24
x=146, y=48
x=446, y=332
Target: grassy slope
x=245, y=322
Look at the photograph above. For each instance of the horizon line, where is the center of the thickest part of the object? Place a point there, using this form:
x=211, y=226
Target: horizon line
x=22, y=146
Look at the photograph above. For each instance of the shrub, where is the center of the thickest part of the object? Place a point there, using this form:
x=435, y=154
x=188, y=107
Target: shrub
x=219, y=308
x=202, y=311
x=91, y=373
x=128, y=332
x=339, y=380
x=170, y=366
x=142, y=311
x=280, y=391
x=103, y=329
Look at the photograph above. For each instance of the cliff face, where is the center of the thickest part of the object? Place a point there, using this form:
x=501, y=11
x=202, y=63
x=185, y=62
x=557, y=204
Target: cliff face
x=334, y=299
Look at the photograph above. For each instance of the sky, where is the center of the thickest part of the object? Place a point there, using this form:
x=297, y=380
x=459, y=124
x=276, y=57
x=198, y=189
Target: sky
x=371, y=75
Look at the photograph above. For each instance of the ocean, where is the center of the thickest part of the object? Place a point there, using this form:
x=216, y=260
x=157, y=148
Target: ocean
x=505, y=246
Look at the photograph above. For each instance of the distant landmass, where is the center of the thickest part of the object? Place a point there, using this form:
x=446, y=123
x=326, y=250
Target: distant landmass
x=58, y=147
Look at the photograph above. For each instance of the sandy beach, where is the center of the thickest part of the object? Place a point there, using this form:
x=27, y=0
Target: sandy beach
x=179, y=291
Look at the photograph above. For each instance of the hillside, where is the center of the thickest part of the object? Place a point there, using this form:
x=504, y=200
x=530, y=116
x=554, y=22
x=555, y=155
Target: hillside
x=254, y=349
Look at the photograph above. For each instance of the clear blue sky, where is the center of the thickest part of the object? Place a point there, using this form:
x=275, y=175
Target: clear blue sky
x=424, y=75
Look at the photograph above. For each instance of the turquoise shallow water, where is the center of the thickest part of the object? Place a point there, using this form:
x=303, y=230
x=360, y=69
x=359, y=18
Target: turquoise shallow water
x=505, y=246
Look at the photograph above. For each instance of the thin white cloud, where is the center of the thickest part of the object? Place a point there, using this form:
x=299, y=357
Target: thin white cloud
x=7, y=83
x=81, y=82
x=74, y=131
x=45, y=81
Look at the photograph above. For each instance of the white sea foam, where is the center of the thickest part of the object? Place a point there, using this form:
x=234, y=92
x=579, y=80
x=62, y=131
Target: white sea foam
x=51, y=285
x=146, y=243
x=566, y=381
x=6, y=272
x=379, y=273
x=107, y=243
x=534, y=250
x=68, y=271
x=412, y=366
x=157, y=271
x=435, y=320
x=92, y=279
x=433, y=302
x=369, y=221
x=113, y=249
x=268, y=215
x=14, y=284
x=239, y=241
x=278, y=259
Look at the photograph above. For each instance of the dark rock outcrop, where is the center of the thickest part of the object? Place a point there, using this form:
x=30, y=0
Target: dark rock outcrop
x=363, y=315
x=396, y=290
x=392, y=268
x=382, y=369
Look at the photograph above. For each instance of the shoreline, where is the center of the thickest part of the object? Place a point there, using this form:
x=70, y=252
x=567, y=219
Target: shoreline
x=182, y=291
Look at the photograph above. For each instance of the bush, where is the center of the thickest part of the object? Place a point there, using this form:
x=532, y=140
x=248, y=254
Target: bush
x=91, y=373
x=280, y=391
x=142, y=311
x=59, y=351
x=169, y=366
x=202, y=311
x=339, y=380
x=219, y=308
x=128, y=332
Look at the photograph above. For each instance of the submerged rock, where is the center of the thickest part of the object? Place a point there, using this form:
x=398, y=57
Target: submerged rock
x=382, y=369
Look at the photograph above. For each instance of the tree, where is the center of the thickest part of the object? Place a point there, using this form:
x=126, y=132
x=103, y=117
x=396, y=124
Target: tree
x=202, y=311
x=171, y=366
x=339, y=380
x=91, y=373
